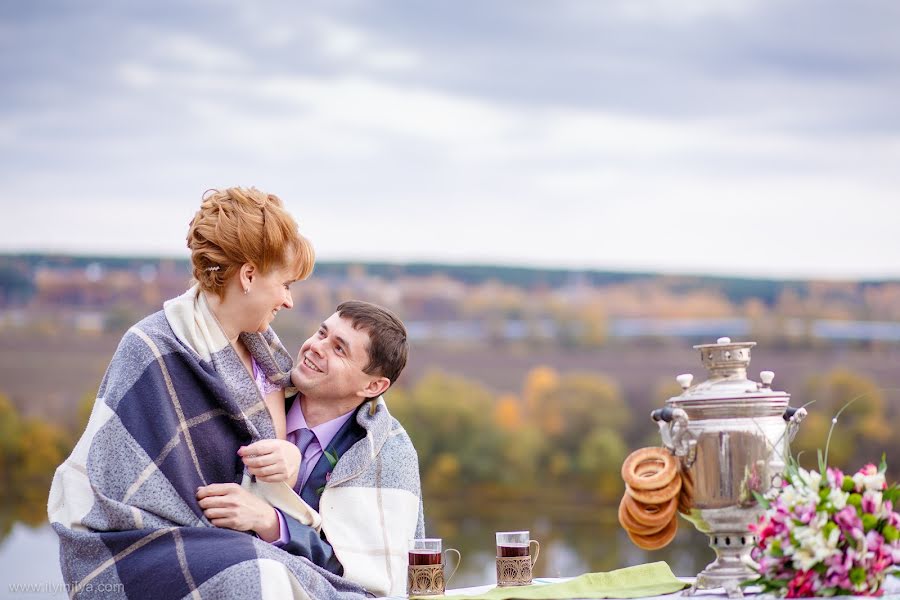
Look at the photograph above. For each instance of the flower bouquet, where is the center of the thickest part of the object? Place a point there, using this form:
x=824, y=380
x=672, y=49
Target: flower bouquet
x=826, y=534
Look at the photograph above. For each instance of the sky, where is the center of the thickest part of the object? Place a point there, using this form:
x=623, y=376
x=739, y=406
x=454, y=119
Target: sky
x=733, y=137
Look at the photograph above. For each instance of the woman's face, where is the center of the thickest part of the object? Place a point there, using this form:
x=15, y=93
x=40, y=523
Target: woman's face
x=267, y=295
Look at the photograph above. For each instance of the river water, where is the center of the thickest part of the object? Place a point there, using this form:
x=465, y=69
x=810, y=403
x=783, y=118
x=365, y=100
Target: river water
x=30, y=556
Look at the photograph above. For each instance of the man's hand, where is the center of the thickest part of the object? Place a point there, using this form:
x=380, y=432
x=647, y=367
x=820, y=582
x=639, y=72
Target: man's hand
x=230, y=506
x=272, y=460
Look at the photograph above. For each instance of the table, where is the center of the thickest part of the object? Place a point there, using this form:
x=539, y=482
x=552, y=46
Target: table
x=891, y=591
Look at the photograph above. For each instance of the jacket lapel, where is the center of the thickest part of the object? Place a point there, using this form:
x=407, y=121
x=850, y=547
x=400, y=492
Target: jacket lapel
x=350, y=433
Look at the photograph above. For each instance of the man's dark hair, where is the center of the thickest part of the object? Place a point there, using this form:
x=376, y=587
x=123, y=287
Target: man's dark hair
x=388, y=347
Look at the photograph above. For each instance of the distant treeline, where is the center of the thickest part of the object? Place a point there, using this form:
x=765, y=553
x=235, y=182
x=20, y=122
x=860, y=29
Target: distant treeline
x=16, y=272
x=568, y=432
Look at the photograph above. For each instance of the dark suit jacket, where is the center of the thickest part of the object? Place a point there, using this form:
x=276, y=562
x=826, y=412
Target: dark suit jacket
x=304, y=539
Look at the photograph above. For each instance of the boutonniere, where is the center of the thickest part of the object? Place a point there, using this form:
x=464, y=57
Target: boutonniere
x=332, y=456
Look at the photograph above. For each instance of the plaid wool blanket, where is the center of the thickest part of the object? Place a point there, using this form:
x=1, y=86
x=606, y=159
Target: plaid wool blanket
x=174, y=406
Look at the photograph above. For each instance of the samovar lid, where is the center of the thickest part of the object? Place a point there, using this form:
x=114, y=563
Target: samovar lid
x=727, y=364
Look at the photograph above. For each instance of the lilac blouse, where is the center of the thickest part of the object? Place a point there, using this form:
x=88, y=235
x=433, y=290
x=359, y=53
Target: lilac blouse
x=265, y=386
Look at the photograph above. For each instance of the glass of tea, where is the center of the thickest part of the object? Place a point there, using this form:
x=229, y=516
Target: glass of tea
x=515, y=559
x=425, y=574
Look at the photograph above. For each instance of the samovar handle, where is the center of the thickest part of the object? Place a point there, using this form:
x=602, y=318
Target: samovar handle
x=793, y=416
x=677, y=437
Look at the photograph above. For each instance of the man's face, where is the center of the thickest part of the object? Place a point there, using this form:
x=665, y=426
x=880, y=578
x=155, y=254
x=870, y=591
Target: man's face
x=331, y=362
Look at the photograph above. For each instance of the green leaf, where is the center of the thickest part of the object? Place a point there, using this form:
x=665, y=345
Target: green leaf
x=821, y=461
x=332, y=457
x=882, y=466
x=763, y=501
x=857, y=575
x=319, y=490
x=892, y=494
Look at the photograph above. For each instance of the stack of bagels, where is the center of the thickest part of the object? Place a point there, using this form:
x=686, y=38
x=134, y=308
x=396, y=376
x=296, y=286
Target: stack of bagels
x=655, y=488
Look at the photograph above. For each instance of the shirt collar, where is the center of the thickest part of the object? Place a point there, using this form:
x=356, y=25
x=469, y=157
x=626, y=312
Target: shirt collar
x=324, y=432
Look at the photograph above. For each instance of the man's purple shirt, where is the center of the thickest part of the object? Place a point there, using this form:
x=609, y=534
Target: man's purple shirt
x=324, y=433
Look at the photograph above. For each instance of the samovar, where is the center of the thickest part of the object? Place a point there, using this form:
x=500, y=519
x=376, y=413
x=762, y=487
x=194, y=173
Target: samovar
x=731, y=435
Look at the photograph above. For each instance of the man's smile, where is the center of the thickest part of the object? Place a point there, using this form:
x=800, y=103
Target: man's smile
x=310, y=365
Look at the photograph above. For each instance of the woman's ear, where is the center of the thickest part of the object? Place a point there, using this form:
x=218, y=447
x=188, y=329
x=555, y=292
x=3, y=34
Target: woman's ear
x=247, y=272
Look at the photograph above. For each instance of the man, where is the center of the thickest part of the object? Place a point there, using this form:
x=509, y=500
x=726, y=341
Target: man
x=359, y=473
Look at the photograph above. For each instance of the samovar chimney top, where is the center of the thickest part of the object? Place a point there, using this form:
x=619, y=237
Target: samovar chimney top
x=726, y=359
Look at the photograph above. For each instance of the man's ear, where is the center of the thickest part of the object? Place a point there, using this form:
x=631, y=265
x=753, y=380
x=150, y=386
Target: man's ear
x=375, y=387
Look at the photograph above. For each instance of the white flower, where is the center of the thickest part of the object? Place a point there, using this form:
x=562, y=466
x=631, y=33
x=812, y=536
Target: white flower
x=837, y=498
x=804, y=559
x=789, y=495
x=834, y=538
x=873, y=483
x=810, y=479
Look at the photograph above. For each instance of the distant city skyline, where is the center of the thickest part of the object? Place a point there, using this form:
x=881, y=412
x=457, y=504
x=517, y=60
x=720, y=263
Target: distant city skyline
x=723, y=137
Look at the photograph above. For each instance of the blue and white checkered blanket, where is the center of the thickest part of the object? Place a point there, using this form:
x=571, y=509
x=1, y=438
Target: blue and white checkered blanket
x=173, y=407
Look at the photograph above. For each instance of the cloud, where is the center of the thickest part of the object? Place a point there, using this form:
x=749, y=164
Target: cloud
x=197, y=53
x=344, y=43
x=723, y=135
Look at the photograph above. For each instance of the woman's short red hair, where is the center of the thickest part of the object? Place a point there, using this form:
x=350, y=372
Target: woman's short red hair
x=238, y=225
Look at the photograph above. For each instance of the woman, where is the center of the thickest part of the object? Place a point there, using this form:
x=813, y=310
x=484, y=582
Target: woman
x=188, y=387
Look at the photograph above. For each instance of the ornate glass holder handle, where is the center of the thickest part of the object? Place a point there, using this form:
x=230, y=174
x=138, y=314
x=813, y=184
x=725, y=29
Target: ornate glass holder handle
x=429, y=580
x=517, y=570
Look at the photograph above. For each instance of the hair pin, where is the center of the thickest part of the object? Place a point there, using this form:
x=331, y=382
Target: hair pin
x=215, y=268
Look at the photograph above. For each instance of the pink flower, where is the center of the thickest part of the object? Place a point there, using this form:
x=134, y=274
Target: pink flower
x=894, y=518
x=801, y=586
x=868, y=469
x=871, y=502
x=835, y=477
x=838, y=573
x=848, y=520
x=767, y=531
x=805, y=513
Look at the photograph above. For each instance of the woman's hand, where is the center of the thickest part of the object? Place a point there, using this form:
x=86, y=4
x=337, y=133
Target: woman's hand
x=231, y=506
x=272, y=460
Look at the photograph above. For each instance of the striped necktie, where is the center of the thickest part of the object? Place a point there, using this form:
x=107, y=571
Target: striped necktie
x=302, y=439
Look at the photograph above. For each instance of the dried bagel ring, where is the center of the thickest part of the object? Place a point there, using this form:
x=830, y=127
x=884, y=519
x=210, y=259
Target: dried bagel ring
x=657, y=540
x=629, y=524
x=651, y=515
x=686, y=497
x=653, y=482
x=656, y=496
x=648, y=468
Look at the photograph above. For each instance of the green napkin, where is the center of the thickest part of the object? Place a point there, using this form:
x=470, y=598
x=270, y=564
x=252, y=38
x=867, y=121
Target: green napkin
x=653, y=579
